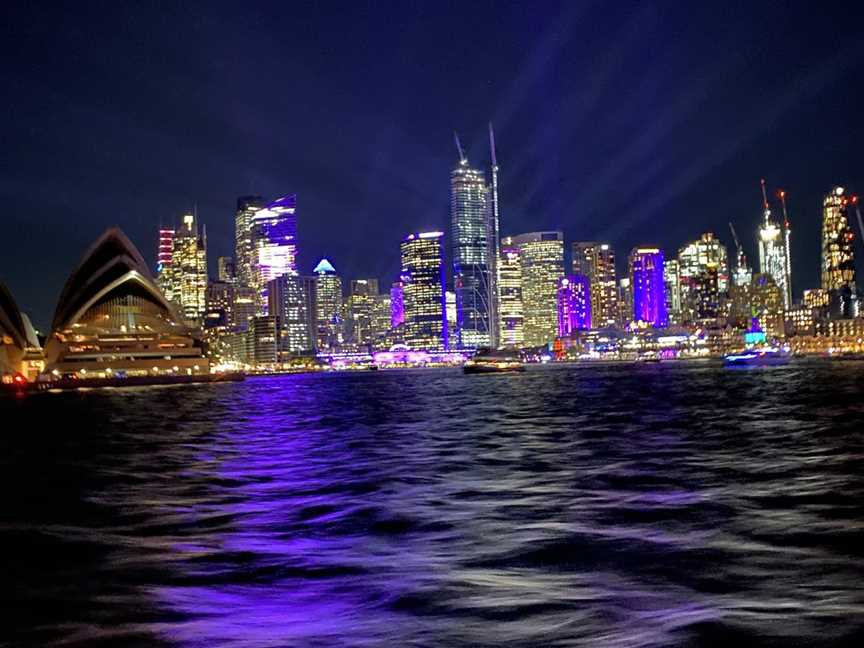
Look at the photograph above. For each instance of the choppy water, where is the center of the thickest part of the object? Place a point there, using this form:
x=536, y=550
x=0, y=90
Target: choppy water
x=656, y=505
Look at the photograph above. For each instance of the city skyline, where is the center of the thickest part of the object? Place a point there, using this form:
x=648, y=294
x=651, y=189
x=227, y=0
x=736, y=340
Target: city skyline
x=610, y=122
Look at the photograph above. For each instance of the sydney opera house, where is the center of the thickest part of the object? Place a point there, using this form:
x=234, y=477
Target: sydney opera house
x=20, y=352
x=111, y=321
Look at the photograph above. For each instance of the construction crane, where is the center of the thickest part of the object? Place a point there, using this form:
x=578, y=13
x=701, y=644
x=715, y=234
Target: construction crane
x=742, y=261
x=462, y=158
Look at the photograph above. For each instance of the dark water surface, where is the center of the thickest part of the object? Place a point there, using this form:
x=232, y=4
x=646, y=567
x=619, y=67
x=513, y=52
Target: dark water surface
x=656, y=505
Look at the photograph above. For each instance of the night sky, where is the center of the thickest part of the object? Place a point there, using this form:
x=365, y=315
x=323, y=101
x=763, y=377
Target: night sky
x=631, y=122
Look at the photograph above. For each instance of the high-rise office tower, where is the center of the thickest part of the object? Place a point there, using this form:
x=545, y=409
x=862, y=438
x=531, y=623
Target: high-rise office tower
x=243, y=260
x=625, y=302
x=380, y=317
x=766, y=304
x=774, y=258
x=473, y=211
x=310, y=293
x=165, y=248
x=703, y=268
x=574, y=304
x=219, y=308
x=360, y=310
x=287, y=303
x=274, y=245
x=838, y=256
x=510, y=314
x=672, y=279
x=597, y=262
x=649, y=289
x=225, y=269
x=397, y=304
x=541, y=256
x=423, y=291
x=188, y=270
x=450, y=309
x=328, y=304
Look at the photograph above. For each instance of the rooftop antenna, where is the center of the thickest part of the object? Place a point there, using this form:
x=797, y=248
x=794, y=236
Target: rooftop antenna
x=462, y=159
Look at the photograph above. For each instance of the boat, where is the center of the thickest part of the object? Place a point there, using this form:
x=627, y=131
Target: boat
x=758, y=357
x=757, y=352
x=488, y=361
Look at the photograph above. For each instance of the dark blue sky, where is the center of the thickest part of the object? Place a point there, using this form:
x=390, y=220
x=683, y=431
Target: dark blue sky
x=636, y=122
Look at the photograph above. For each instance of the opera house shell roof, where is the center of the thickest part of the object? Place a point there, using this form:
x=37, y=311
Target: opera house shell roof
x=17, y=338
x=112, y=319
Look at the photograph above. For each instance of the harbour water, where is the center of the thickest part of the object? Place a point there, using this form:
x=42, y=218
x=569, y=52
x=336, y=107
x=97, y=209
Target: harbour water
x=677, y=504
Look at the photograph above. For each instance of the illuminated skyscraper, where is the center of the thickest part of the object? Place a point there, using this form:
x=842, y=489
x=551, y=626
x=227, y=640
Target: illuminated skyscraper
x=541, y=255
x=166, y=248
x=774, y=258
x=243, y=259
x=287, y=303
x=597, y=262
x=360, y=310
x=703, y=268
x=189, y=271
x=511, y=315
x=649, y=290
x=423, y=291
x=397, y=304
x=328, y=304
x=672, y=279
x=766, y=304
x=274, y=245
x=473, y=265
x=838, y=256
x=574, y=304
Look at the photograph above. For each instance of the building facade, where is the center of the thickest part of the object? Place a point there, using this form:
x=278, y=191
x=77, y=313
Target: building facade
x=424, y=307
x=274, y=246
x=574, y=304
x=541, y=256
x=328, y=306
x=287, y=304
x=597, y=262
x=838, y=255
x=703, y=269
x=774, y=256
x=511, y=314
x=648, y=286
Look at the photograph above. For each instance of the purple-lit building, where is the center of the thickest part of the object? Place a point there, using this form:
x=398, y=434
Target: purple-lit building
x=574, y=304
x=648, y=286
x=274, y=245
x=397, y=304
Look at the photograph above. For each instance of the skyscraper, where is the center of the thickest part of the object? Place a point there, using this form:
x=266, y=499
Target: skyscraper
x=473, y=265
x=510, y=314
x=287, y=303
x=188, y=271
x=225, y=269
x=165, y=249
x=838, y=256
x=774, y=257
x=246, y=208
x=397, y=304
x=541, y=256
x=274, y=245
x=672, y=279
x=328, y=304
x=703, y=268
x=574, y=304
x=597, y=262
x=360, y=310
x=649, y=290
x=423, y=291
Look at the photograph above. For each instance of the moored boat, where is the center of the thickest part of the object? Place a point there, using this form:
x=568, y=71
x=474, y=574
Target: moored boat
x=493, y=362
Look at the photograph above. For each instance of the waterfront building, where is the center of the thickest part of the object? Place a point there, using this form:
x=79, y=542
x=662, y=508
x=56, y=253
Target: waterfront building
x=703, y=268
x=511, y=315
x=264, y=336
x=360, y=309
x=800, y=320
x=597, y=262
x=244, y=307
x=164, y=256
x=649, y=290
x=225, y=269
x=838, y=255
x=774, y=256
x=112, y=320
x=574, y=304
x=672, y=279
x=287, y=302
x=219, y=305
x=425, y=316
x=328, y=305
x=766, y=304
x=451, y=310
x=187, y=274
x=21, y=354
x=310, y=292
x=625, y=302
x=541, y=256
x=247, y=206
x=274, y=246
x=381, y=312
x=474, y=257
